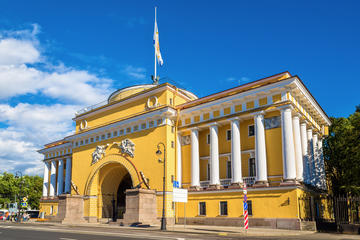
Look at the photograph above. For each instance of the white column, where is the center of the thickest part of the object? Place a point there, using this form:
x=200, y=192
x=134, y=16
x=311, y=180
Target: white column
x=236, y=152
x=322, y=165
x=214, y=155
x=68, y=175
x=310, y=157
x=315, y=165
x=260, y=148
x=179, y=160
x=288, y=152
x=195, y=159
x=60, y=181
x=298, y=148
x=304, y=146
x=46, y=179
x=52, y=179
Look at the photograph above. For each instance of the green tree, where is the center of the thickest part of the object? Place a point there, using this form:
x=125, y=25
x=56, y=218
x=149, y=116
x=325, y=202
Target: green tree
x=28, y=186
x=342, y=154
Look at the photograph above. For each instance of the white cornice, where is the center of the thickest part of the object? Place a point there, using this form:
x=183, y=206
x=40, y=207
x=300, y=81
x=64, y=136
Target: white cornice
x=240, y=96
x=163, y=112
x=311, y=100
x=131, y=99
x=55, y=148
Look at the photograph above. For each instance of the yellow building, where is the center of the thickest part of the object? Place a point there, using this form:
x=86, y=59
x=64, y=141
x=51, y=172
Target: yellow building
x=266, y=134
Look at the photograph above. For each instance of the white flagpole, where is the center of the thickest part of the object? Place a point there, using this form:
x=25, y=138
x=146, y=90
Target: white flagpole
x=155, y=48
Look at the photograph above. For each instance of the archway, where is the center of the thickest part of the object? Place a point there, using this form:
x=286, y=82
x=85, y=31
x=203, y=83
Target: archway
x=114, y=179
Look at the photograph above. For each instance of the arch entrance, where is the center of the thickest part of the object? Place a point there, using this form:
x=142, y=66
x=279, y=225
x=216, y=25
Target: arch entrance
x=114, y=179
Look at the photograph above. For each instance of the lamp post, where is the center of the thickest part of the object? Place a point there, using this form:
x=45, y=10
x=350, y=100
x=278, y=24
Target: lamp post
x=158, y=152
x=17, y=174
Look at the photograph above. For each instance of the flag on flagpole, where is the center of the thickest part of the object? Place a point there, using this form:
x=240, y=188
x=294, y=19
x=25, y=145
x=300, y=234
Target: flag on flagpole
x=157, y=46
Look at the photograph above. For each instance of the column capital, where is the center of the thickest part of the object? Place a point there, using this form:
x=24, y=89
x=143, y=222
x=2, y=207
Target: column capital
x=255, y=114
x=194, y=129
x=235, y=119
x=304, y=121
x=286, y=107
x=213, y=124
x=297, y=114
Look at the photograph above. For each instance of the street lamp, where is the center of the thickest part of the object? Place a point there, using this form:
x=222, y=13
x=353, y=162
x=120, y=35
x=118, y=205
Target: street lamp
x=158, y=152
x=17, y=174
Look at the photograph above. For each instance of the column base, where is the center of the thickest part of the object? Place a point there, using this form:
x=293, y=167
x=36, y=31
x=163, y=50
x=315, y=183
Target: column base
x=289, y=182
x=261, y=184
x=236, y=185
x=195, y=188
x=214, y=187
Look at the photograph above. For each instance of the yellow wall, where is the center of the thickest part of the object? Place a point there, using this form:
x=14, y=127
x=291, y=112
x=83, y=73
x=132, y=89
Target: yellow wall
x=265, y=203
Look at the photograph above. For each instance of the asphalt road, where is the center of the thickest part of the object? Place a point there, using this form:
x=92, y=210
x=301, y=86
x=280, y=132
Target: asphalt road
x=15, y=231
x=31, y=232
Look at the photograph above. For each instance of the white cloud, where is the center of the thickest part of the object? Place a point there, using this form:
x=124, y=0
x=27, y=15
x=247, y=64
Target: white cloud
x=14, y=51
x=59, y=82
x=135, y=72
x=26, y=127
x=29, y=127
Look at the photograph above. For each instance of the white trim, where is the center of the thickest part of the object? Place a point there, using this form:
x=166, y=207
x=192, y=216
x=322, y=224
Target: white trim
x=124, y=124
x=311, y=100
x=132, y=99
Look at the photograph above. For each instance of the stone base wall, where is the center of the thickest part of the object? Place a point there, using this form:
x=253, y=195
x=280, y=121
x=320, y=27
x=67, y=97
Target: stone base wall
x=141, y=207
x=279, y=223
x=71, y=209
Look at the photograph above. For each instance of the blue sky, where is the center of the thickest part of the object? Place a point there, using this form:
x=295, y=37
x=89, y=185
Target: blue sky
x=56, y=58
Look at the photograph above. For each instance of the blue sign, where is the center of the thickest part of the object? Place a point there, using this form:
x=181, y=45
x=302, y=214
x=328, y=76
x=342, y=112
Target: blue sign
x=176, y=184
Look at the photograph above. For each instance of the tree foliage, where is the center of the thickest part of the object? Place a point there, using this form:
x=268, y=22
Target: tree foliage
x=28, y=186
x=342, y=154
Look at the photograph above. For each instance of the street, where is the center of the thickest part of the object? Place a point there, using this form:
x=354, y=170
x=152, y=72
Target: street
x=15, y=231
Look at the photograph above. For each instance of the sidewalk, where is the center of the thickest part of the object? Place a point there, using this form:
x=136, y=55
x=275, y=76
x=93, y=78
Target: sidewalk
x=198, y=229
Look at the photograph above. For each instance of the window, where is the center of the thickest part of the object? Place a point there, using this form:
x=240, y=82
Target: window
x=251, y=130
x=172, y=144
x=143, y=126
x=172, y=129
x=249, y=203
x=273, y=122
x=76, y=144
x=252, y=167
x=228, y=169
x=91, y=139
x=115, y=133
x=86, y=141
x=103, y=136
x=208, y=139
x=128, y=130
x=136, y=128
x=81, y=142
x=223, y=208
x=151, y=123
x=51, y=210
x=97, y=138
x=228, y=135
x=121, y=131
x=159, y=122
x=109, y=135
x=208, y=171
x=202, y=208
x=171, y=101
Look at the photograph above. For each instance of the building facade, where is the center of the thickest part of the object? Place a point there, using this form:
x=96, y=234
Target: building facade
x=266, y=134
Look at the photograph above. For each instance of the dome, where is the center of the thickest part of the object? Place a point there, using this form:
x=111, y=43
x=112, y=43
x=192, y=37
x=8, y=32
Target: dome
x=128, y=91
